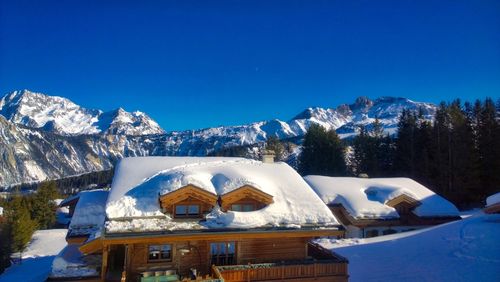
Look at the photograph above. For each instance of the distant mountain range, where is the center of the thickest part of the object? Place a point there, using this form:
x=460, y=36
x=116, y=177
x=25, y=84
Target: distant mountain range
x=48, y=137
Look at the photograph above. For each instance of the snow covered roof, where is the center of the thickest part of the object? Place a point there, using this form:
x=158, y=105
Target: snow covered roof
x=493, y=199
x=367, y=197
x=89, y=211
x=138, y=182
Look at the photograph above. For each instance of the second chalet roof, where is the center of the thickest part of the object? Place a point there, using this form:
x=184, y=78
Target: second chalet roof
x=138, y=183
x=367, y=197
x=89, y=212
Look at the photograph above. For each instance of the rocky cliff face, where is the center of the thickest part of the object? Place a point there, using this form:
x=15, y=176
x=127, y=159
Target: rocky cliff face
x=45, y=137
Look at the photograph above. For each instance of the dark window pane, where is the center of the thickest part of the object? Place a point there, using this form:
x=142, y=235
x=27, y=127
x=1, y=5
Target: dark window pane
x=159, y=252
x=194, y=209
x=248, y=208
x=236, y=207
x=180, y=210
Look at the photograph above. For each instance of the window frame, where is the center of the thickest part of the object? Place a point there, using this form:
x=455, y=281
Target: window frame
x=187, y=208
x=242, y=207
x=227, y=258
x=150, y=260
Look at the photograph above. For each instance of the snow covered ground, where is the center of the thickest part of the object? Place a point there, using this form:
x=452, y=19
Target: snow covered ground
x=465, y=250
x=38, y=257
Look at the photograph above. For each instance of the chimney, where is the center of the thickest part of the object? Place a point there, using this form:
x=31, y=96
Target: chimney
x=268, y=156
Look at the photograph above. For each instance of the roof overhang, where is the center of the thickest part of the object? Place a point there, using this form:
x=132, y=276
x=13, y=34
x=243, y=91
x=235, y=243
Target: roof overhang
x=226, y=234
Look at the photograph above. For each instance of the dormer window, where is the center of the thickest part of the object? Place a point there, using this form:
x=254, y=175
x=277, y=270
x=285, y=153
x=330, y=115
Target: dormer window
x=245, y=199
x=188, y=202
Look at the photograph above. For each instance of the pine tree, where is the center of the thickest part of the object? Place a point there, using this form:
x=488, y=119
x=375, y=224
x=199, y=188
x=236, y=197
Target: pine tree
x=405, y=154
x=323, y=153
x=20, y=224
x=43, y=206
x=274, y=144
x=488, y=131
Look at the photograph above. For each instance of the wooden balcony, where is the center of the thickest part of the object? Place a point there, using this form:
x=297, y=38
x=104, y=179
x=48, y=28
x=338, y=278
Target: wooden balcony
x=324, y=266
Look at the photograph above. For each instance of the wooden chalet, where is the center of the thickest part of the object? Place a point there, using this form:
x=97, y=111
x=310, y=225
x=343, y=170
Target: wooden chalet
x=373, y=207
x=213, y=219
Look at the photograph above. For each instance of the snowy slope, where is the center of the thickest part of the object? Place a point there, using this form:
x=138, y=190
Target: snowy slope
x=38, y=257
x=464, y=250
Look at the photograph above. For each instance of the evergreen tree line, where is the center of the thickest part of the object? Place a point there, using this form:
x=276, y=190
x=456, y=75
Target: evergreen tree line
x=23, y=214
x=457, y=155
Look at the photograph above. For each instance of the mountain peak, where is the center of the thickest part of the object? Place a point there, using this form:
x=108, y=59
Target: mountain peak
x=62, y=116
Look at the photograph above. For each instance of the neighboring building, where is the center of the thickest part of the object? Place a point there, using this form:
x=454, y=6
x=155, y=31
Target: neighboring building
x=370, y=207
x=217, y=218
x=87, y=218
x=493, y=204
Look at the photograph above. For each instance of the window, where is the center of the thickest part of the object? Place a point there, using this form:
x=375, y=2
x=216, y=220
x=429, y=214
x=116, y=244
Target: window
x=242, y=207
x=160, y=253
x=222, y=253
x=371, y=233
x=187, y=211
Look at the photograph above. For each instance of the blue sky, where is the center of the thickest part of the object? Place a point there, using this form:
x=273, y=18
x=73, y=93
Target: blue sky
x=195, y=64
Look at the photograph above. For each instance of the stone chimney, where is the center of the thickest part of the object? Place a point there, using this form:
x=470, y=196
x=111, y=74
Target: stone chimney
x=268, y=156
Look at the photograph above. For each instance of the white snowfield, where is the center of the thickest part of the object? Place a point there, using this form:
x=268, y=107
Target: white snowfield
x=366, y=197
x=464, y=250
x=138, y=182
x=38, y=257
x=493, y=199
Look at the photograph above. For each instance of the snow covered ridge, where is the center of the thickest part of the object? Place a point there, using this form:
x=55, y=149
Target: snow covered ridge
x=98, y=139
x=62, y=116
x=367, y=197
x=139, y=182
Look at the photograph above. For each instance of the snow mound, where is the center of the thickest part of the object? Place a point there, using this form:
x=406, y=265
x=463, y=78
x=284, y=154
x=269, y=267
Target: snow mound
x=366, y=197
x=69, y=263
x=294, y=201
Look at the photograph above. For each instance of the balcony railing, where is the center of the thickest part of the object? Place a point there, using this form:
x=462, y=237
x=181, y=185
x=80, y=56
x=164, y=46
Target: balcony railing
x=325, y=266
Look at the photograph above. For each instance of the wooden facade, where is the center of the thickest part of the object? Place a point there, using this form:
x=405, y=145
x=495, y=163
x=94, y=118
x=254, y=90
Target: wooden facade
x=129, y=256
x=495, y=208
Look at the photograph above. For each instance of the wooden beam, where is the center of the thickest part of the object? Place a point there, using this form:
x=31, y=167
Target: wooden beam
x=222, y=236
x=104, y=265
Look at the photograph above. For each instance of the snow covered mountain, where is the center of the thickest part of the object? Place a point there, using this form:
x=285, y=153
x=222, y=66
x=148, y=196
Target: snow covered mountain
x=62, y=116
x=45, y=137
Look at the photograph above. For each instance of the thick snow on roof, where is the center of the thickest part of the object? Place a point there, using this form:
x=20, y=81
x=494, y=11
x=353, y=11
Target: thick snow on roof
x=139, y=181
x=366, y=197
x=493, y=199
x=89, y=210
